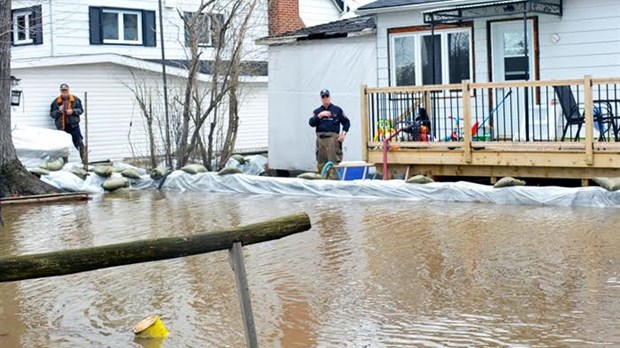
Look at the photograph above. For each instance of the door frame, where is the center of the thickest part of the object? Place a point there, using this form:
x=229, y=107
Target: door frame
x=535, y=45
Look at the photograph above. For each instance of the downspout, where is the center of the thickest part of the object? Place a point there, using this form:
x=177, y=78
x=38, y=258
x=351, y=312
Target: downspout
x=527, y=74
x=52, y=52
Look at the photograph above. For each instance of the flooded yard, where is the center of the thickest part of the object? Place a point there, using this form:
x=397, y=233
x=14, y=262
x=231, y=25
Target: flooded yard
x=370, y=273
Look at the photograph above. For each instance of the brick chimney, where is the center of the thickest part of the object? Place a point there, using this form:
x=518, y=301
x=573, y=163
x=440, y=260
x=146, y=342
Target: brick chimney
x=284, y=16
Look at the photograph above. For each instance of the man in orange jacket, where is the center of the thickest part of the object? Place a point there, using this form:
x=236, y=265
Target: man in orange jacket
x=66, y=110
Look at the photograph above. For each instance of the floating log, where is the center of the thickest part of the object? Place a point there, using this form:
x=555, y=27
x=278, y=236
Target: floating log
x=88, y=259
x=52, y=197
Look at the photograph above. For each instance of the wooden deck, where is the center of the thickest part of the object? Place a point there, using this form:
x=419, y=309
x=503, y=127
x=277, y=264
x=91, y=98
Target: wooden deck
x=583, y=159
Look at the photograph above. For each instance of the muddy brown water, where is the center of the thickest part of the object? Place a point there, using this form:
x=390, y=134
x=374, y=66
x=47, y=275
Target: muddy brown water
x=370, y=273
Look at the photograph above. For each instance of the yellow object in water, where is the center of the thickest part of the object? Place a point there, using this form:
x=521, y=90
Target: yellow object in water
x=150, y=327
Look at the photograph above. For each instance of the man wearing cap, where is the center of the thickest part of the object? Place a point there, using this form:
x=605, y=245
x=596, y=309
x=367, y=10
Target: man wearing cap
x=66, y=110
x=327, y=119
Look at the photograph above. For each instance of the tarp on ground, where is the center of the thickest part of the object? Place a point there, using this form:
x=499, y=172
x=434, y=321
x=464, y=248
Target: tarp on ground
x=357, y=189
x=36, y=145
x=395, y=189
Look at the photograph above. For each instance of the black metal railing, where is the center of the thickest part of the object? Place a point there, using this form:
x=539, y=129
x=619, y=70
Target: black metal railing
x=529, y=111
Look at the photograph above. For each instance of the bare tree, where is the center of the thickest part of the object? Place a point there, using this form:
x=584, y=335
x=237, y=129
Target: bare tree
x=147, y=99
x=14, y=178
x=204, y=114
x=229, y=23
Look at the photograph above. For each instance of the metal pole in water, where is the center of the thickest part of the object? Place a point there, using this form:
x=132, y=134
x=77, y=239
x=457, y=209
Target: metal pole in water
x=236, y=262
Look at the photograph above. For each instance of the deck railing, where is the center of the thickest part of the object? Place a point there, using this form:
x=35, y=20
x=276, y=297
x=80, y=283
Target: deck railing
x=578, y=110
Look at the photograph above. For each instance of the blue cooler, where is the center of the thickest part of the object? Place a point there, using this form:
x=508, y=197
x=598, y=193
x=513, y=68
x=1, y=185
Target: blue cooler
x=356, y=170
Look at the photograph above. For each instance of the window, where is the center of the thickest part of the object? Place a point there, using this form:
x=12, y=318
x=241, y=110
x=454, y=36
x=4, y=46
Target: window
x=404, y=62
x=412, y=57
x=207, y=25
x=114, y=26
x=27, y=26
x=123, y=27
x=515, y=60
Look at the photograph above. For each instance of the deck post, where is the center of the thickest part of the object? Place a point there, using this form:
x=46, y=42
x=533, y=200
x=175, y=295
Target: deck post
x=466, y=121
x=364, y=120
x=236, y=262
x=587, y=92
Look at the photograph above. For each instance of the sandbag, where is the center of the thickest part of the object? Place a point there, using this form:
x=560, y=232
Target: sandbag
x=158, y=173
x=230, y=170
x=238, y=158
x=610, y=184
x=80, y=173
x=194, y=168
x=508, y=181
x=419, y=179
x=310, y=176
x=115, y=183
x=130, y=173
x=103, y=171
x=39, y=171
x=53, y=165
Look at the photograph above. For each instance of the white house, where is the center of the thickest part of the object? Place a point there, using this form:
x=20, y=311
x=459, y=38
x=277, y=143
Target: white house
x=475, y=40
x=101, y=47
x=566, y=39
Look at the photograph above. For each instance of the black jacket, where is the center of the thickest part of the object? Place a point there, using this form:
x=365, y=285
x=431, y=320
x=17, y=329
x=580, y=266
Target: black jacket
x=330, y=124
x=72, y=120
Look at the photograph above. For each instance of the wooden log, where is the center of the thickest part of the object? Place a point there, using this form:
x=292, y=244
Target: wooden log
x=53, y=197
x=88, y=259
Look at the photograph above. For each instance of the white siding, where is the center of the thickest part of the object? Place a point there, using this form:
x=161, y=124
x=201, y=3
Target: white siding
x=589, y=41
x=252, y=135
x=116, y=127
x=315, y=12
x=69, y=22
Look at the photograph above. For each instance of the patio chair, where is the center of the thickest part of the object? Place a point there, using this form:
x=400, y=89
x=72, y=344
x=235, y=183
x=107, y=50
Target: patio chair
x=570, y=110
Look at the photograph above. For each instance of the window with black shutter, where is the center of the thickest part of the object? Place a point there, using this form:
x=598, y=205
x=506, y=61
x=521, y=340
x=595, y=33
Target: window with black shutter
x=208, y=28
x=27, y=26
x=116, y=26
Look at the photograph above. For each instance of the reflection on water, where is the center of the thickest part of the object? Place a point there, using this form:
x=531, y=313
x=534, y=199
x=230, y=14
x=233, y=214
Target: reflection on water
x=369, y=274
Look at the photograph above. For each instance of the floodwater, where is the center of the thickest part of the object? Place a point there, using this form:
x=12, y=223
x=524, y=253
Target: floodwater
x=370, y=273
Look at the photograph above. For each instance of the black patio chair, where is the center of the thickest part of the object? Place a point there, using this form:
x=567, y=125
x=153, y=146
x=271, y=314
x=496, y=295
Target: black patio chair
x=570, y=110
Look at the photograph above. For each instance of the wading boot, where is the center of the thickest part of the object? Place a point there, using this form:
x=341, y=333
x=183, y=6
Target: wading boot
x=82, y=152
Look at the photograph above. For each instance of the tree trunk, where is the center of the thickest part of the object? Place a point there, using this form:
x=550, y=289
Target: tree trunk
x=14, y=178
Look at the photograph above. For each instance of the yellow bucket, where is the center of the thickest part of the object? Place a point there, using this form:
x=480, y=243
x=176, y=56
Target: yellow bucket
x=150, y=327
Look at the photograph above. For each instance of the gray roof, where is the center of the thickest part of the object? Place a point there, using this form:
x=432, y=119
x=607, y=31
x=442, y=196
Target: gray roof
x=248, y=68
x=395, y=3
x=341, y=28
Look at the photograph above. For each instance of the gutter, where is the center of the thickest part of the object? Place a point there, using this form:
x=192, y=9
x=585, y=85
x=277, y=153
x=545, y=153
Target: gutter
x=417, y=6
x=112, y=58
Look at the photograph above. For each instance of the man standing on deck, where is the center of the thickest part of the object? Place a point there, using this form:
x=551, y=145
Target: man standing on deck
x=327, y=119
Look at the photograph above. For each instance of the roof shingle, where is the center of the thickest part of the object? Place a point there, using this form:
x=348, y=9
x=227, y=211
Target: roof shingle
x=335, y=29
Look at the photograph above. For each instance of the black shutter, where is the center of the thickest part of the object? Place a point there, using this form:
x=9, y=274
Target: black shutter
x=217, y=21
x=36, y=25
x=96, y=30
x=187, y=16
x=12, y=26
x=149, y=29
